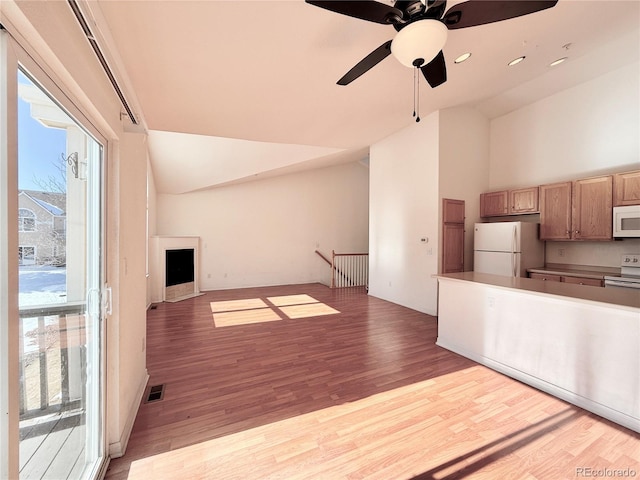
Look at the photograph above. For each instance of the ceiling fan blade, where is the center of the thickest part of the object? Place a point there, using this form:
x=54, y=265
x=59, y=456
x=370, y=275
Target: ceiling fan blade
x=368, y=62
x=435, y=72
x=481, y=12
x=363, y=9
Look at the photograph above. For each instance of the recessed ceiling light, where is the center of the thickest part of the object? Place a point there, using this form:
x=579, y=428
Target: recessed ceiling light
x=558, y=61
x=462, y=58
x=516, y=61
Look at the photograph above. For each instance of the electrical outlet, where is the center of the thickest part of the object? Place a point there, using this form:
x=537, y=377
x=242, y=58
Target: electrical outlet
x=561, y=252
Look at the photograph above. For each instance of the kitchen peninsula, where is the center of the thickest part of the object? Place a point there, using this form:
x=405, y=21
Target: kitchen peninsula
x=579, y=343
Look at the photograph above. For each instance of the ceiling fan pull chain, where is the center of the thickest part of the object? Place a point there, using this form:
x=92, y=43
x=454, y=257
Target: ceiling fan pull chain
x=414, y=92
x=417, y=94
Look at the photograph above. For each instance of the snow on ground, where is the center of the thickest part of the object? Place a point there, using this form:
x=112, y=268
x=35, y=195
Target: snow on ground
x=39, y=285
x=42, y=285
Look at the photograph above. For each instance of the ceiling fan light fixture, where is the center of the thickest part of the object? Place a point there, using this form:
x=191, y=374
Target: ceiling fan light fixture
x=558, y=61
x=462, y=58
x=420, y=40
x=516, y=61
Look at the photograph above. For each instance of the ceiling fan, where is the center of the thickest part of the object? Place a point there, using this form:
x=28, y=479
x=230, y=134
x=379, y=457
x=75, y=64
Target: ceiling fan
x=422, y=27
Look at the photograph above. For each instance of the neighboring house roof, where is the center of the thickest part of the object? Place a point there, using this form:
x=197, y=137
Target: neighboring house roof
x=54, y=203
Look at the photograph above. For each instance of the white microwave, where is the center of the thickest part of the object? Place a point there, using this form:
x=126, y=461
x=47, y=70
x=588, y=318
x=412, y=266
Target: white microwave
x=626, y=221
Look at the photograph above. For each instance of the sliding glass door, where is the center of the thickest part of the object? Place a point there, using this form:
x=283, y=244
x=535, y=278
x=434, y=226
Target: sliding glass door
x=57, y=224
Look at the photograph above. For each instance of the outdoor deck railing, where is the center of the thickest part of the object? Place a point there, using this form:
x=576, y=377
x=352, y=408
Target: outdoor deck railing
x=52, y=354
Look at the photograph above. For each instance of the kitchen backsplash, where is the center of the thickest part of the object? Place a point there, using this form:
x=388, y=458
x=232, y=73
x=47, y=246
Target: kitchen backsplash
x=601, y=254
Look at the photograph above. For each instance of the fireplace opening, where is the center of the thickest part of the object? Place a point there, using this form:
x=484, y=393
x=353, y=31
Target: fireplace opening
x=179, y=267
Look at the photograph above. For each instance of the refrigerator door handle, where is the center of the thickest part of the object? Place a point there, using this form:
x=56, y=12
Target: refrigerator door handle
x=514, y=261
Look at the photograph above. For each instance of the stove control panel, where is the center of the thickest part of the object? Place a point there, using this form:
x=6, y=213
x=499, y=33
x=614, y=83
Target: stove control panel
x=630, y=260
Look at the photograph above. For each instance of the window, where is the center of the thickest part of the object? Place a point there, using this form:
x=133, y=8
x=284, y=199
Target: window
x=26, y=255
x=26, y=220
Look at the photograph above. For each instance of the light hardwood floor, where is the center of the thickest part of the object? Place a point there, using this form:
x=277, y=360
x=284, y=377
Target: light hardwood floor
x=363, y=393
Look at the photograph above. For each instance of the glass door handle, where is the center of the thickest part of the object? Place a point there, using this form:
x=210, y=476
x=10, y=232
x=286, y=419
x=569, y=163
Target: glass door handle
x=107, y=301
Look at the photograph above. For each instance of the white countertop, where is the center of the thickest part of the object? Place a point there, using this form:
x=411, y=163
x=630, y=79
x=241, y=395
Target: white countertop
x=625, y=297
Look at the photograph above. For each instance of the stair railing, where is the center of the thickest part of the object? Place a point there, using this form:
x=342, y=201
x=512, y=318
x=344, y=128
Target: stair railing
x=348, y=269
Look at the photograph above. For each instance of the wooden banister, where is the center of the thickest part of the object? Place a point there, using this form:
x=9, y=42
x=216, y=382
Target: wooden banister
x=323, y=257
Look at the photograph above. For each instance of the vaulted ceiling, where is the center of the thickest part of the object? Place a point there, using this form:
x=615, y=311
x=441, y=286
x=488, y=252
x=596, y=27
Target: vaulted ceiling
x=244, y=88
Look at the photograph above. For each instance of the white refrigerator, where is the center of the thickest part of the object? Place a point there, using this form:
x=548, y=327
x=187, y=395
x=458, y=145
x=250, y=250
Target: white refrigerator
x=507, y=248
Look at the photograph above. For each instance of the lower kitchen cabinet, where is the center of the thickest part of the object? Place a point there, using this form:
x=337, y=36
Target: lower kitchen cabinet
x=595, y=282
x=544, y=276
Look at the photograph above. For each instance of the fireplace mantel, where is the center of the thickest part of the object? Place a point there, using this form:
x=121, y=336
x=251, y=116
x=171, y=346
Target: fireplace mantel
x=157, y=267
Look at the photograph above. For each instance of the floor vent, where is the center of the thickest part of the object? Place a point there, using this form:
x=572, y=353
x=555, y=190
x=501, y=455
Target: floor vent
x=155, y=394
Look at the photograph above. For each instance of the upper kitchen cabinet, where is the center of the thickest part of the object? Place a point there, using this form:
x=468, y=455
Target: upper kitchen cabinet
x=593, y=208
x=523, y=200
x=626, y=188
x=494, y=204
x=452, y=211
x=580, y=210
x=555, y=211
x=509, y=202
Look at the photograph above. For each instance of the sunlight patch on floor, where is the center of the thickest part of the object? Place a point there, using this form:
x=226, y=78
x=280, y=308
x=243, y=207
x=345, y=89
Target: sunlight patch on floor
x=255, y=310
x=308, y=310
x=291, y=300
x=232, y=305
x=243, y=317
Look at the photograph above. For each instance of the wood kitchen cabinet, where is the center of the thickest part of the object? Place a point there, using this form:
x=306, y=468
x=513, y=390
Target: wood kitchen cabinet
x=453, y=248
x=452, y=235
x=546, y=277
x=494, y=204
x=592, y=211
x=579, y=210
x=523, y=200
x=550, y=277
x=626, y=188
x=509, y=202
x=555, y=211
x=452, y=211
x=594, y=282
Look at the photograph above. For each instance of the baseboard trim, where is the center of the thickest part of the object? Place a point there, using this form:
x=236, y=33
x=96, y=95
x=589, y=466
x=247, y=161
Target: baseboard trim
x=117, y=449
x=599, y=409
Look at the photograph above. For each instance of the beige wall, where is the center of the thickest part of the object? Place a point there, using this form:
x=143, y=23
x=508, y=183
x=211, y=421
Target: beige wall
x=265, y=232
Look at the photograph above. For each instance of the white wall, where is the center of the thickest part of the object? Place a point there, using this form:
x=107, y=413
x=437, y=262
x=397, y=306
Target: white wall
x=404, y=206
x=127, y=337
x=579, y=132
x=464, y=166
x=266, y=232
